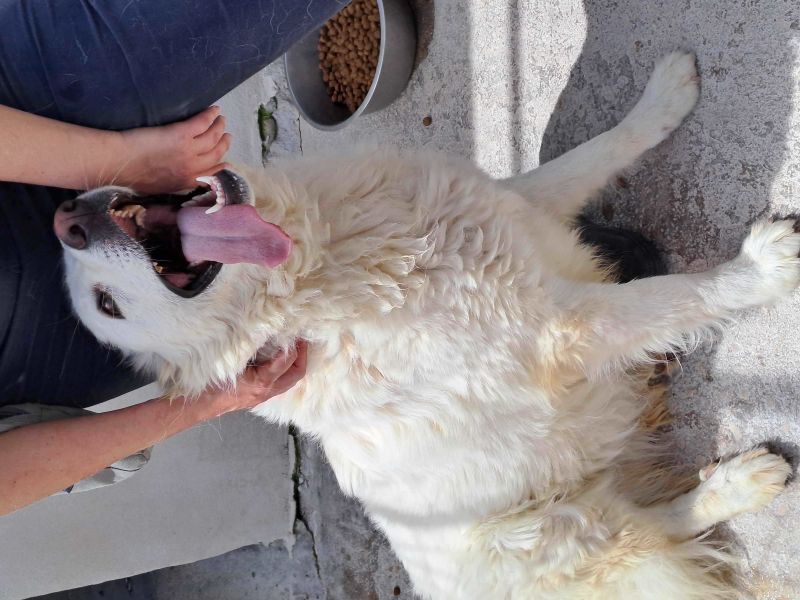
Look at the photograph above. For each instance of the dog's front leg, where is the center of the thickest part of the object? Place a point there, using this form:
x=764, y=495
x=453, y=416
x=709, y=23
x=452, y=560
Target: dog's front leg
x=565, y=184
x=610, y=324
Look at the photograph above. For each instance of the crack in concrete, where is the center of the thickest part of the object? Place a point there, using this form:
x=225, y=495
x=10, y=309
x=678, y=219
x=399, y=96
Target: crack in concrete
x=300, y=133
x=299, y=516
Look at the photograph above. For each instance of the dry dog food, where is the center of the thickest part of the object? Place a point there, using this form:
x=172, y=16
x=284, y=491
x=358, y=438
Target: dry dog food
x=349, y=44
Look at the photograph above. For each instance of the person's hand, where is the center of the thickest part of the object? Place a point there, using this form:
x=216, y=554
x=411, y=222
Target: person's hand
x=263, y=381
x=76, y=448
x=169, y=158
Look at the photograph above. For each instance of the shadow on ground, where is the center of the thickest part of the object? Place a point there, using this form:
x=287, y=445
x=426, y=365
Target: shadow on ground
x=695, y=195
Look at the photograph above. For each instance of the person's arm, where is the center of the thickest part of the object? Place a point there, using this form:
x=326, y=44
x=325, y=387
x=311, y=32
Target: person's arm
x=42, y=151
x=40, y=460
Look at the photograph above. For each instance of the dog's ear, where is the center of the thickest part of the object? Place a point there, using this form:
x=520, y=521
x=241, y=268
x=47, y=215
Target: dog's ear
x=147, y=363
x=162, y=371
x=216, y=364
x=187, y=381
x=168, y=375
x=170, y=380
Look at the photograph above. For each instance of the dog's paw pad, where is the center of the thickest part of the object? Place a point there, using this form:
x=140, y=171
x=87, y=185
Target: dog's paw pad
x=670, y=94
x=744, y=483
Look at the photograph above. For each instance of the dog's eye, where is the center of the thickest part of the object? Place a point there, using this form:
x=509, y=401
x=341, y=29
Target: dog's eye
x=106, y=304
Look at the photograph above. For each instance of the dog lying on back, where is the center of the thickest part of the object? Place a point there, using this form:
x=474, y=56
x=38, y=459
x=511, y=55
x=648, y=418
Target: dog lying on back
x=470, y=372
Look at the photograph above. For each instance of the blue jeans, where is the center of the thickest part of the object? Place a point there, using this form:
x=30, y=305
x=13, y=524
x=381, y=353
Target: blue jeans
x=111, y=64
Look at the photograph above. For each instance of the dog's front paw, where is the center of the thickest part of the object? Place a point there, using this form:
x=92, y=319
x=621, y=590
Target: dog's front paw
x=744, y=483
x=669, y=96
x=770, y=252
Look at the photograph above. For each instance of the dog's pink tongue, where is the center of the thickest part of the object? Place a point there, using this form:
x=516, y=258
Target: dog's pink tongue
x=233, y=234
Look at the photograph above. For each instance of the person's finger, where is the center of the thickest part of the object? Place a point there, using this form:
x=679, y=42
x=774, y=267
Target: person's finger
x=300, y=362
x=199, y=123
x=280, y=364
x=210, y=137
x=286, y=381
x=296, y=370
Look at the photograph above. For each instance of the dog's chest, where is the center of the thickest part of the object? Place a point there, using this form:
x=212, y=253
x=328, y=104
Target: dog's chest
x=459, y=425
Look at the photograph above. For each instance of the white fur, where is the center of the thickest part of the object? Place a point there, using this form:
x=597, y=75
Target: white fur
x=466, y=378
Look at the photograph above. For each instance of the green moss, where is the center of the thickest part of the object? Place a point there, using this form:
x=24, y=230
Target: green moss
x=267, y=126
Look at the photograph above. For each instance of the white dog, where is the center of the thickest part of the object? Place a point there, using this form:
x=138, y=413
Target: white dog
x=469, y=376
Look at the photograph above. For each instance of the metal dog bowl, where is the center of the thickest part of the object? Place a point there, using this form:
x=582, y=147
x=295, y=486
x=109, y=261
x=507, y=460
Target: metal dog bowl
x=395, y=62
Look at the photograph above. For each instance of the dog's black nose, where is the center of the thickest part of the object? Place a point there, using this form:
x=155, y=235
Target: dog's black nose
x=70, y=226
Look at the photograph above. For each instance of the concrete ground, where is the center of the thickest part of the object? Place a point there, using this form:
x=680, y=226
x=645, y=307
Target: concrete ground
x=512, y=83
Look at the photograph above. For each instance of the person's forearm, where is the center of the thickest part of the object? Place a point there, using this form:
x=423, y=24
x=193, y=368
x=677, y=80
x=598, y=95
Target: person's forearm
x=39, y=460
x=43, y=151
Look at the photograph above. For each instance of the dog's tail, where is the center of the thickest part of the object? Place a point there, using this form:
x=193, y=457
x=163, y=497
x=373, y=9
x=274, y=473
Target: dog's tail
x=628, y=254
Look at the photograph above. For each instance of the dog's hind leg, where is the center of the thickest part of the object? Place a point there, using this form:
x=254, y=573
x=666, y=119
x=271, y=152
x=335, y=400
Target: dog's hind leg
x=566, y=183
x=744, y=483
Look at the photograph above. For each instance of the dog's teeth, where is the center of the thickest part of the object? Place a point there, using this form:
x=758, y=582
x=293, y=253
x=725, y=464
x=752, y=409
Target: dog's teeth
x=209, y=181
x=158, y=267
x=215, y=208
x=128, y=212
x=139, y=216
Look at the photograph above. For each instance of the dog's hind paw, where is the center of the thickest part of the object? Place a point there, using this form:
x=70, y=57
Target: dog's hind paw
x=669, y=96
x=744, y=483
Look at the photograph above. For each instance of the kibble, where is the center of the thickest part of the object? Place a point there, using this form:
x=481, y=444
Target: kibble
x=349, y=45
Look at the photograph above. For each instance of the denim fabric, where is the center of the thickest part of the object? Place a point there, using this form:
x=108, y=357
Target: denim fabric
x=113, y=64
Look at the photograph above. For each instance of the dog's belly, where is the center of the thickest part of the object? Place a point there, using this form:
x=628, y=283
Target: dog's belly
x=440, y=413
x=462, y=456
x=429, y=489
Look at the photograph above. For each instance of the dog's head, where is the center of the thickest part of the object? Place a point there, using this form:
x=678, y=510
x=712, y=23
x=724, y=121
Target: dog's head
x=170, y=279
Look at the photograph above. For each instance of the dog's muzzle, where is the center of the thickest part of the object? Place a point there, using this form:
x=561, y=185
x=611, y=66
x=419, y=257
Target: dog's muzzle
x=148, y=225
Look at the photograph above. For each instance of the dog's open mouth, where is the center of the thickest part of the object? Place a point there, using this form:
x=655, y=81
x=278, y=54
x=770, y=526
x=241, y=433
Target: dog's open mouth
x=153, y=222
